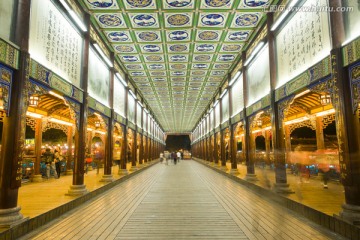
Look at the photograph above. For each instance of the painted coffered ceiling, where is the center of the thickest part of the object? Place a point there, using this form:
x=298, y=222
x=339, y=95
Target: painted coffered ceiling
x=177, y=52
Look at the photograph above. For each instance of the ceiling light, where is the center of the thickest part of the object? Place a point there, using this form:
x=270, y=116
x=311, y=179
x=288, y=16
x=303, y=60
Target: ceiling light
x=102, y=54
x=302, y=93
x=297, y=120
x=223, y=93
x=56, y=95
x=34, y=101
x=283, y=15
x=34, y=115
x=325, y=99
x=55, y=120
x=234, y=78
x=74, y=16
x=121, y=79
x=255, y=51
x=132, y=94
x=327, y=112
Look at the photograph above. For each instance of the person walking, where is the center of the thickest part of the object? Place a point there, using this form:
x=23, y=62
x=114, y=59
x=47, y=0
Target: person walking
x=57, y=160
x=49, y=156
x=161, y=157
x=173, y=156
x=178, y=155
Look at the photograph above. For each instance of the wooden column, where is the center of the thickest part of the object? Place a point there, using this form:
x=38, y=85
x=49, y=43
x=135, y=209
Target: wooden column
x=232, y=134
x=287, y=139
x=14, y=125
x=38, y=142
x=347, y=121
x=69, y=155
x=319, y=134
x=141, y=147
x=109, y=142
x=124, y=157
x=267, y=146
x=78, y=187
x=281, y=184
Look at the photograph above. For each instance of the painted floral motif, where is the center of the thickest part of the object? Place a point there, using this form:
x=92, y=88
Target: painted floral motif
x=151, y=48
x=198, y=72
x=255, y=3
x=222, y=65
x=212, y=19
x=216, y=3
x=226, y=57
x=178, y=3
x=178, y=58
x=200, y=65
x=130, y=58
x=101, y=3
x=178, y=48
x=205, y=48
x=139, y=3
x=178, y=35
x=231, y=48
x=118, y=37
x=178, y=19
x=154, y=58
x=137, y=74
x=156, y=66
x=110, y=20
x=247, y=20
x=202, y=58
x=144, y=20
x=148, y=36
x=134, y=67
x=178, y=66
x=238, y=36
x=124, y=48
x=208, y=35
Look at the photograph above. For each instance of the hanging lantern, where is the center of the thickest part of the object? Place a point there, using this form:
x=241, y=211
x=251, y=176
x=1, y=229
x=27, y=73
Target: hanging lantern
x=34, y=101
x=97, y=124
x=325, y=99
x=259, y=122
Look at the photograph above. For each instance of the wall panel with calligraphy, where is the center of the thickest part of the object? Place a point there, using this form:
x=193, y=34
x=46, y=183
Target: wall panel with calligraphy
x=54, y=42
x=258, y=77
x=217, y=115
x=304, y=41
x=237, y=96
x=99, y=78
x=225, y=107
x=119, y=97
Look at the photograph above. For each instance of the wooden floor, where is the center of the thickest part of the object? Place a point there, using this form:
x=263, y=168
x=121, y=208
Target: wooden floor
x=186, y=201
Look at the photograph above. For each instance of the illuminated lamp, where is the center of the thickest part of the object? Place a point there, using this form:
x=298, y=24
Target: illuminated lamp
x=259, y=122
x=97, y=124
x=325, y=99
x=34, y=101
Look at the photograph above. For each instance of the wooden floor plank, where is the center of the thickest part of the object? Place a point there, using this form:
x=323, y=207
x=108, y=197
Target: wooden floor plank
x=186, y=201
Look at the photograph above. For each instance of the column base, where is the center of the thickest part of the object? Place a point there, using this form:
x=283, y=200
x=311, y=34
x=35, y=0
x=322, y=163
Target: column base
x=90, y=168
x=234, y=171
x=350, y=213
x=251, y=177
x=69, y=172
x=107, y=178
x=11, y=217
x=223, y=168
x=77, y=190
x=37, y=178
x=123, y=172
x=134, y=168
x=282, y=188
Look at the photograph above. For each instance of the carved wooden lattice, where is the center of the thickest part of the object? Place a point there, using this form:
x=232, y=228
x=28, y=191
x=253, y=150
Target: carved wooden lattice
x=2, y=115
x=49, y=125
x=328, y=119
x=31, y=123
x=307, y=123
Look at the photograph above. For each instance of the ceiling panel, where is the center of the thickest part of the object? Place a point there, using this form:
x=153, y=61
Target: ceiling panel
x=177, y=52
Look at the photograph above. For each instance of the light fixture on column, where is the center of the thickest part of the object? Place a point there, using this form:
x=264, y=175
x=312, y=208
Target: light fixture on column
x=325, y=99
x=34, y=101
x=97, y=124
x=259, y=122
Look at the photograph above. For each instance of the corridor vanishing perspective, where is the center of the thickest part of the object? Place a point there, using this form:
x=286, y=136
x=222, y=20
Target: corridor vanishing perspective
x=95, y=93
x=183, y=201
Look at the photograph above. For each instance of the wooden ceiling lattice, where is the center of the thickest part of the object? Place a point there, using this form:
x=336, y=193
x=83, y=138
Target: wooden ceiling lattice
x=177, y=52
